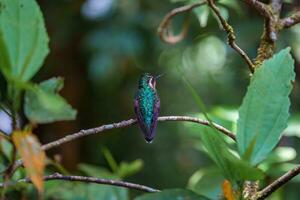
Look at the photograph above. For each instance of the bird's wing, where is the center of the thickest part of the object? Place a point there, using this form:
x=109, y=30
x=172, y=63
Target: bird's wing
x=139, y=116
x=156, y=110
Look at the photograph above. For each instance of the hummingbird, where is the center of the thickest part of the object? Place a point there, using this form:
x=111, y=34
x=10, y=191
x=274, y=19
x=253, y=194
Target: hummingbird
x=147, y=105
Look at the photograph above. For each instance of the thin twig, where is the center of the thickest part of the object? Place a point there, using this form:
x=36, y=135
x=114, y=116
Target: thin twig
x=291, y=20
x=123, y=124
x=127, y=123
x=264, y=193
x=230, y=35
x=165, y=34
x=86, y=179
x=259, y=6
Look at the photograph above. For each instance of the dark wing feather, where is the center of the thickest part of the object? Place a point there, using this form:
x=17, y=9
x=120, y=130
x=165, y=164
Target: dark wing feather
x=156, y=111
x=139, y=116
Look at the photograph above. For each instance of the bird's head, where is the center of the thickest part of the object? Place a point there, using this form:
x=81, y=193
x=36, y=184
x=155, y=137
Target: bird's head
x=148, y=80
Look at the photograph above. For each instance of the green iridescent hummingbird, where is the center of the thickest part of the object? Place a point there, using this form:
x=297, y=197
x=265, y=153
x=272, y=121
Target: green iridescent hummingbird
x=147, y=106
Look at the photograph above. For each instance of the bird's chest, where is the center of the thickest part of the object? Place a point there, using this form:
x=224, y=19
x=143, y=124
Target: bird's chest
x=147, y=100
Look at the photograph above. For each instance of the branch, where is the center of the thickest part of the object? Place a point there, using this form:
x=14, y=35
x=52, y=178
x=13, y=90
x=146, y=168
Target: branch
x=86, y=179
x=278, y=183
x=291, y=20
x=122, y=124
x=230, y=35
x=130, y=122
x=198, y=121
x=165, y=34
x=259, y=6
x=276, y=6
x=271, y=13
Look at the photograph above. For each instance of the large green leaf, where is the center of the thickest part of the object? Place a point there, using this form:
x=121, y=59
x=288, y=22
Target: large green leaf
x=233, y=168
x=265, y=109
x=44, y=105
x=172, y=194
x=23, y=39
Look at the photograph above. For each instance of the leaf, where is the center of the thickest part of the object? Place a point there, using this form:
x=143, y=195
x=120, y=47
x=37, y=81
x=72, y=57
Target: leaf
x=207, y=181
x=202, y=14
x=218, y=152
x=110, y=159
x=227, y=190
x=176, y=1
x=96, y=171
x=264, y=112
x=44, y=105
x=33, y=156
x=6, y=147
x=172, y=194
x=127, y=169
x=106, y=192
x=23, y=39
x=53, y=85
x=231, y=167
x=281, y=155
x=83, y=191
x=232, y=4
x=94, y=190
x=293, y=128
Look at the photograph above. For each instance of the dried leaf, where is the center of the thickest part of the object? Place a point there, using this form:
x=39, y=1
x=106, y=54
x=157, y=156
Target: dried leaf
x=33, y=156
x=227, y=190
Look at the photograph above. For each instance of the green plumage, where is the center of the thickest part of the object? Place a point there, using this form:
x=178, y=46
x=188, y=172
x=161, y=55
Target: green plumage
x=147, y=98
x=147, y=106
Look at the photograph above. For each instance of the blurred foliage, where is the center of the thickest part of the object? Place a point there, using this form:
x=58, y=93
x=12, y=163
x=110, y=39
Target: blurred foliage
x=172, y=194
x=101, y=47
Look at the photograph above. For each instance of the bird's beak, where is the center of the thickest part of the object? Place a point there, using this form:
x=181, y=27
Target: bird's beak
x=157, y=77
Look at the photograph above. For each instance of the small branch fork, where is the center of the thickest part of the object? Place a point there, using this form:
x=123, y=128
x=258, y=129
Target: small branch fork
x=273, y=25
x=230, y=35
x=259, y=6
x=167, y=36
